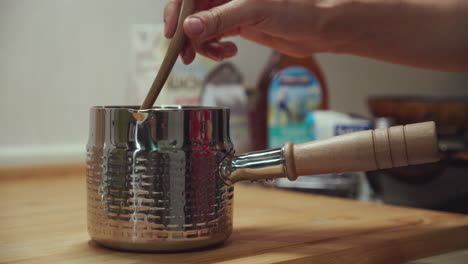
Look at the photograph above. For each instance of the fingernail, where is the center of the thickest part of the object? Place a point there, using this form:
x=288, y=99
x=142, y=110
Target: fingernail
x=229, y=49
x=195, y=26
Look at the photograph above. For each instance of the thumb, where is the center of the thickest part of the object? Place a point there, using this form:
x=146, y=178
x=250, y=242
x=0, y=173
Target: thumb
x=220, y=19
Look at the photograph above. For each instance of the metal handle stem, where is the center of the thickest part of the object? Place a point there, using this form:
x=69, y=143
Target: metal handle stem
x=254, y=166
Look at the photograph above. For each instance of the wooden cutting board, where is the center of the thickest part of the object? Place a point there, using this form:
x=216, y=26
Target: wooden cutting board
x=43, y=220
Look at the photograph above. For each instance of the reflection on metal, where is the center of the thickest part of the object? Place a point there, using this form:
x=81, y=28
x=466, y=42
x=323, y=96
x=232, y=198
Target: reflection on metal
x=152, y=183
x=254, y=166
x=161, y=179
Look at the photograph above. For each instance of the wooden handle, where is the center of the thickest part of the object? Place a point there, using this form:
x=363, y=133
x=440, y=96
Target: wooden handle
x=173, y=51
x=364, y=151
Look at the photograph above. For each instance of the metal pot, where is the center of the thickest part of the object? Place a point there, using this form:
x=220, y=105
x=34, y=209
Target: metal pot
x=162, y=179
x=153, y=177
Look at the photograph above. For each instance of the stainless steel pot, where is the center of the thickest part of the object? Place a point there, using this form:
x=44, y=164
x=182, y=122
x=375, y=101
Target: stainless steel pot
x=161, y=179
x=153, y=177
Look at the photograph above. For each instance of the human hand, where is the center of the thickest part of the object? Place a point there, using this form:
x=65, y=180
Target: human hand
x=289, y=26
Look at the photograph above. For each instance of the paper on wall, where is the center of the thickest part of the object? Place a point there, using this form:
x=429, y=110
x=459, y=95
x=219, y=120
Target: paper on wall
x=147, y=50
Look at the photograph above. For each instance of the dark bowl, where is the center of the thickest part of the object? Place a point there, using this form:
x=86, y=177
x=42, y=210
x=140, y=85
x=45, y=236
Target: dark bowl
x=445, y=111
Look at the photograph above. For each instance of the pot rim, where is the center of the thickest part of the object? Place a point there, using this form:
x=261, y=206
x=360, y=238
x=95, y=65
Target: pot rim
x=136, y=108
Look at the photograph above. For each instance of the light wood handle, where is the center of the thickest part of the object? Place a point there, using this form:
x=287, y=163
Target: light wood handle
x=364, y=151
x=173, y=51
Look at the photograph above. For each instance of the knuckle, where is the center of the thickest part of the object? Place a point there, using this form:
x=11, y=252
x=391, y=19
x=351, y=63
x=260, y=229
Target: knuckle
x=216, y=21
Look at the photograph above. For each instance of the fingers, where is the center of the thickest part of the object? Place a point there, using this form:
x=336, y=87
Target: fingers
x=217, y=25
x=172, y=9
x=216, y=21
x=171, y=15
x=188, y=53
x=217, y=50
x=212, y=49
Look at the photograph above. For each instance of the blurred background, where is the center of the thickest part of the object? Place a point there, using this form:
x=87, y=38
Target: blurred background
x=60, y=57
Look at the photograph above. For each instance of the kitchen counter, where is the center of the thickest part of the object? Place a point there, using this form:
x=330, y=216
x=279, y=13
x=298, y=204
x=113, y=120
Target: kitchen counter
x=43, y=220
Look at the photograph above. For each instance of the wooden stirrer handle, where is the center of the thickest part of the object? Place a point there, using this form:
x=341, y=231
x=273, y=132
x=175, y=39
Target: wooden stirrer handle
x=173, y=51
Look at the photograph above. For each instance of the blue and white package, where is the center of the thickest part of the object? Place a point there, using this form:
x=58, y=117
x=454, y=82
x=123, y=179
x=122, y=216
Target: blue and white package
x=326, y=123
x=322, y=124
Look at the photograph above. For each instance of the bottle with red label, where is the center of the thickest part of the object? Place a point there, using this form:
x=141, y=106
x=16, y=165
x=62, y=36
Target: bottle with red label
x=288, y=90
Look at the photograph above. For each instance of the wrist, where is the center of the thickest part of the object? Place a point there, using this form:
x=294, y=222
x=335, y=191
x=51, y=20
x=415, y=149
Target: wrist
x=345, y=25
x=329, y=25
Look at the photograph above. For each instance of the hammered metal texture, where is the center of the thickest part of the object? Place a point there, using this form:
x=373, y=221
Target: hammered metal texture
x=153, y=185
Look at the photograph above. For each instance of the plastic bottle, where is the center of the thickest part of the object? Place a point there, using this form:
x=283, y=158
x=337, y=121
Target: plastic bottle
x=288, y=89
x=224, y=87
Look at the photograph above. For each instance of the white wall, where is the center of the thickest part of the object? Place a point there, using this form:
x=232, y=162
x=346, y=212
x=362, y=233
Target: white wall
x=59, y=57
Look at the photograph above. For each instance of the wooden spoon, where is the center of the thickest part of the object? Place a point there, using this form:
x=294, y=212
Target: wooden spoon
x=173, y=51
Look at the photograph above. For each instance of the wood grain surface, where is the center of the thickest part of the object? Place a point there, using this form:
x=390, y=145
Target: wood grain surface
x=43, y=220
